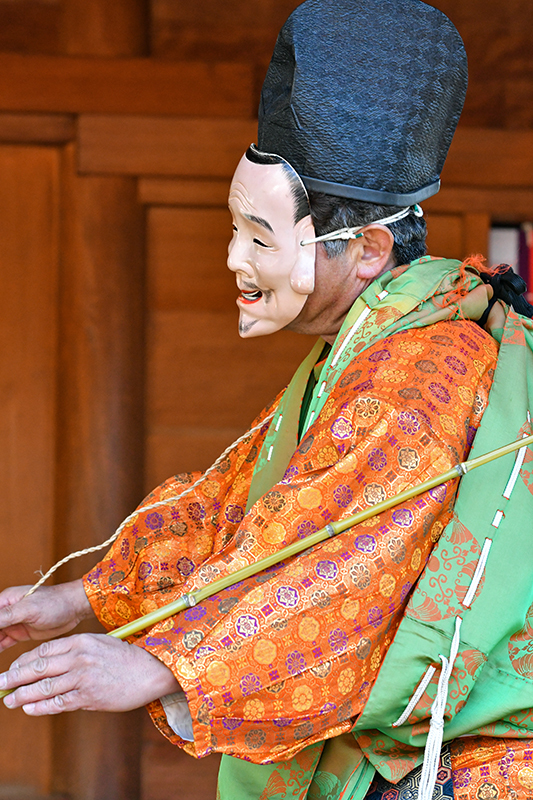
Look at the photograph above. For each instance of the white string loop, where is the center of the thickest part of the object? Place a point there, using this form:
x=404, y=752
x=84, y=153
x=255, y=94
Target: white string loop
x=354, y=233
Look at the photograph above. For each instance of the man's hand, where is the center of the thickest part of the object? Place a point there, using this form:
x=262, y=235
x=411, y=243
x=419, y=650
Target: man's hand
x=89, y=671
x=49, y=612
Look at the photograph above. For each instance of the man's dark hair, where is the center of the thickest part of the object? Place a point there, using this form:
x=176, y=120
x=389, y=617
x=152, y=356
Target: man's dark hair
x=330, y=213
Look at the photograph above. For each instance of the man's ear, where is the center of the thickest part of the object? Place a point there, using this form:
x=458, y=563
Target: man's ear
x=302, y=277
x=373, y=251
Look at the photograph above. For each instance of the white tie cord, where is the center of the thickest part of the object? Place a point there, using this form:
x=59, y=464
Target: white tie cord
x=413, y=702
x=436, y=724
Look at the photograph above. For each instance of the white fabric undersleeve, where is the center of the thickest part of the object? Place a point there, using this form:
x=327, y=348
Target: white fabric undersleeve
x=178, y=715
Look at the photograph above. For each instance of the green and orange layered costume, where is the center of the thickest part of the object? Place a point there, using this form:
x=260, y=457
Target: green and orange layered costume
x=278, y=664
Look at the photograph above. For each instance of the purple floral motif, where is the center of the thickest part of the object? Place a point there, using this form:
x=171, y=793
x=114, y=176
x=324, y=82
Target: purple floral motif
x=365, y=543
x=468, y=341
x=125, y=549
x=342, y=428
x=305, y=528
x=327, y=708
x=154, y=641
x=343, y=496
x=250, y=683
x=247, y=625
x=364, y=386
x=282, y=722
x=234, y=514
x=379, y=355
x=406, y=588
x=327, y=570
x=403, y=517
x=408, y=422
x=197, y=612
x=154, y=521
x=456, y=365
x=375, y=617
x=287, y=596
x=423, y=417
x=363, y=689
x=440, y=392
x=230, y=723
x=185, y=566
x=470, y=434
x=290, y=473
x=461, y=778
x=295, y=662
x=377, y=459
x=196, y=511
x=93, y=576
x=145, y=569
x=202, y=652
x=439, y=493
x=504, y=763
x=338, y=640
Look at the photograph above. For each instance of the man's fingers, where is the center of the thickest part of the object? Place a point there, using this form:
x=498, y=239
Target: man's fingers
x=51, y=690
x=44, y=662
x=7, y=641
x=56, y=647
x=11, y=615
x=12, y=595
x=71, y=701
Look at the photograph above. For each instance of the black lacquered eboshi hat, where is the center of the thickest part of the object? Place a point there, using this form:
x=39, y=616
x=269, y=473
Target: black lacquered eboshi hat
x=362, y=97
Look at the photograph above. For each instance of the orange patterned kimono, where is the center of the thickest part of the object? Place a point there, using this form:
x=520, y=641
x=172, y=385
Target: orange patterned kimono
x=485, y=768
x=287, y=657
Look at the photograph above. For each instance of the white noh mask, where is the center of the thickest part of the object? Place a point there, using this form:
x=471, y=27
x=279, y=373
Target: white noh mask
x=273, y=270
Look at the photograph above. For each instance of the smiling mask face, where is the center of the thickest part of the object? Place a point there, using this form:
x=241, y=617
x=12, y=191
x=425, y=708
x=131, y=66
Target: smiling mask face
x=274, y=272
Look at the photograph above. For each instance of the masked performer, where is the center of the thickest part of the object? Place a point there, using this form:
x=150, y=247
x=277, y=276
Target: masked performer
x=314, y=674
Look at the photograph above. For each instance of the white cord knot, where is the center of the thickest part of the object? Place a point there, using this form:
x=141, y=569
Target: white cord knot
x=430, y=768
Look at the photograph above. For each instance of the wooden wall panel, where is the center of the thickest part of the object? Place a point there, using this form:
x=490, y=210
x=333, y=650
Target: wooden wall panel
x=29, y=217
x=187, y=250
x=235, y=30
x=100, y=437
x=490, y=158
x=458, y=235
x=445, y=235
x=130, y=145
x=184, y=191
x=205, y=385
x=30, y=26
x=503, y=205
x=37, y=128
x=103, y=28
x=124, y=86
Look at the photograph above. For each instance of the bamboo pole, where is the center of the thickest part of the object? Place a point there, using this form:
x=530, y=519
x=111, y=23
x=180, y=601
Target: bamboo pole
x=331, y=529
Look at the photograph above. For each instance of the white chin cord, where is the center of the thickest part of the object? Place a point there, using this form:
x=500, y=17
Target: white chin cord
x=355, y=233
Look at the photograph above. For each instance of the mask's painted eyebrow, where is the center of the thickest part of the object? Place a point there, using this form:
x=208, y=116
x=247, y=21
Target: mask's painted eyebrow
x=260, y=221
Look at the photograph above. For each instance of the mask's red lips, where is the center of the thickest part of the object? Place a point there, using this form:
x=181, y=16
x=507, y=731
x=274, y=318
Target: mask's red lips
x=250, y=297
